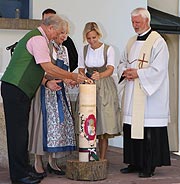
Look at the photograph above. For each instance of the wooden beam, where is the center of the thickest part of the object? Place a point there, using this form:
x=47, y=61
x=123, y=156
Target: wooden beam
x=22, y=24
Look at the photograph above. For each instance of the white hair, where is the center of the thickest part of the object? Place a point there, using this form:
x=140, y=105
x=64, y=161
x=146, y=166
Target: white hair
x=143, y=12
x=56, y=21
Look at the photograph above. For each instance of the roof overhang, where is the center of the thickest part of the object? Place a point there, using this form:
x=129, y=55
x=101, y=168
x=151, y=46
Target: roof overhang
x=163, y=22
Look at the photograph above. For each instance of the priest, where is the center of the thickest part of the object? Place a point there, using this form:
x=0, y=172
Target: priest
x=143, y=68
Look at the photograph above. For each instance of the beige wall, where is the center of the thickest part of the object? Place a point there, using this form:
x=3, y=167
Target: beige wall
x=171, y=7
x=168, y=6
x=172, y=41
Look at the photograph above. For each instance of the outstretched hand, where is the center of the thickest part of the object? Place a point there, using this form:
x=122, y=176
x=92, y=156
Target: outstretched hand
x=70, y=82
x=87, y=80
x=82, y=78
x=79, y=78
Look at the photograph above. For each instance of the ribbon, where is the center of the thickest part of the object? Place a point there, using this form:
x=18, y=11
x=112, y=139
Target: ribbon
x=91, y=151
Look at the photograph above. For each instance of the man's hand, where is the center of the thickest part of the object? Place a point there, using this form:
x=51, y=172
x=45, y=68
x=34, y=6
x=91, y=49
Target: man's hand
x=79, y=78
x=70, y=82
x=130, y=74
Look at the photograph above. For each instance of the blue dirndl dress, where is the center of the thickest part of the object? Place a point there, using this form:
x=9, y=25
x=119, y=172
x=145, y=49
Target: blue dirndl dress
x=58, y=124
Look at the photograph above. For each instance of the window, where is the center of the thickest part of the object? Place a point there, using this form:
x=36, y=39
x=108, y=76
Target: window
x=8, y=9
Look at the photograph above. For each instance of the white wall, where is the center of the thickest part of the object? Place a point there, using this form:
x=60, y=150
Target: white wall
x=8, y=37
x=112, y=16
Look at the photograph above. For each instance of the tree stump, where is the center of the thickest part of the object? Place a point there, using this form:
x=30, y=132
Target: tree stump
x=91, y=171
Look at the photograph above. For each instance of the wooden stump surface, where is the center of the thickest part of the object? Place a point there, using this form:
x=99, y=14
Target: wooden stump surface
x=91, y=171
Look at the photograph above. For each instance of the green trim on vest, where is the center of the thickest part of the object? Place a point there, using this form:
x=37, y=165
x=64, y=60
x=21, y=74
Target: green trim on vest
x=22, y=70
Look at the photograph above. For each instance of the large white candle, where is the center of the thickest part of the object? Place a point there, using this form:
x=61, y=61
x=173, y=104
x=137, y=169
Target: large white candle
x=87, y=122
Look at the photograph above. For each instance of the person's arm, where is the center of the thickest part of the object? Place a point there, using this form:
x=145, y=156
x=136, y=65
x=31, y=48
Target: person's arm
x=108, y=72
x=81, y=70
x=59, y=73
x=51, y=84
x=122, y=66
x=38, y=47
x=44, y=81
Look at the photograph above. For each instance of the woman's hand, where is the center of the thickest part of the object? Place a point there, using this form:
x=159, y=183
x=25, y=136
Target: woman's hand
x=99, y=75
x=53, y=85
x=95, y=75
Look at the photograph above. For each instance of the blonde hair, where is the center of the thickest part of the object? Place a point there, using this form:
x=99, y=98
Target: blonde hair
x=57, y=22
x=91, y=26
x=143, y=12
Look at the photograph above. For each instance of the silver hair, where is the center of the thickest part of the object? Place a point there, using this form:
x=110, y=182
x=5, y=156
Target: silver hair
x=56, y=21
x=143, y=12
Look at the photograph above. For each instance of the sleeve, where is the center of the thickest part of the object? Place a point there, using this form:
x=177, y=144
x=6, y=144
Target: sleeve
x=122, y=66
x=38, y=47
x=111, y=56
x=152, y=77
x=120, y=69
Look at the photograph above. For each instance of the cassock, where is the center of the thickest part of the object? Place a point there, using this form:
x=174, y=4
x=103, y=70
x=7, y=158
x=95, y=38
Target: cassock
x=153, y=149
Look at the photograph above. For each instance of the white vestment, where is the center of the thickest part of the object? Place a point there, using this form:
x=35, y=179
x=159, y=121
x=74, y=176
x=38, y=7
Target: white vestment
x=154, y=80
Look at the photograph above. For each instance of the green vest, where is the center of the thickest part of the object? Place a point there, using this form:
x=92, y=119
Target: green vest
x=22, y=70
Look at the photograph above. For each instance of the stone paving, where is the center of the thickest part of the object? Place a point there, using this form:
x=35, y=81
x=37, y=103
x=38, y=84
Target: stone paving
x=163, y=175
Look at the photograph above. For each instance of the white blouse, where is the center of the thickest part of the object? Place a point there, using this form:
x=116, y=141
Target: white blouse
x=95, y=57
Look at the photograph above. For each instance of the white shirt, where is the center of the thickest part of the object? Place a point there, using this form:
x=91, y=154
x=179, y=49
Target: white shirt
x=95, y=57
x=155, y=81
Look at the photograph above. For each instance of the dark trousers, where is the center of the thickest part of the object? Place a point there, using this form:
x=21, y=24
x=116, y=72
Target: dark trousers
x=16, y=109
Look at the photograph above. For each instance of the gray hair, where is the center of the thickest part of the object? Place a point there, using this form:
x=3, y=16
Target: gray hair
x=56, y=21
x=143, y=12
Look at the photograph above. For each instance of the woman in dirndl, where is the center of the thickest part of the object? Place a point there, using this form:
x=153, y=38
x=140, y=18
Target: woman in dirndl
x=51, y=125
x=98, y=59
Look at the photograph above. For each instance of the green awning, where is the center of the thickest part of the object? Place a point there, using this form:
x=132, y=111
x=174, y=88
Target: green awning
x=163, y=22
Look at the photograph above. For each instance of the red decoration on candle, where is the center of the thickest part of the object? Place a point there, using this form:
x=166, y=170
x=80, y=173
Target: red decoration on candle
x=90, y=127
